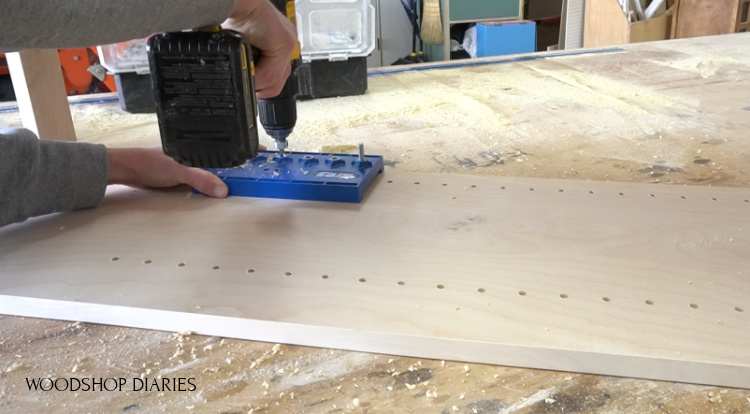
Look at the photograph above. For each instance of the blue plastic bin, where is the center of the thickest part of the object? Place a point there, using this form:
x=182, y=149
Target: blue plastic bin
x=506, y=38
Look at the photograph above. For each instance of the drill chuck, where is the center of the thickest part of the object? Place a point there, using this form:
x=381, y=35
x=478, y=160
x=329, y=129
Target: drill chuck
x=278, y=115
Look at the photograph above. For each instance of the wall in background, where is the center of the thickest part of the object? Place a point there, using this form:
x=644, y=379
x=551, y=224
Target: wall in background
x=393, y=31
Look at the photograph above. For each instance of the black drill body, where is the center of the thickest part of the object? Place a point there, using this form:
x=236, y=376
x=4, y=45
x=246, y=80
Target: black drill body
x=205, y=96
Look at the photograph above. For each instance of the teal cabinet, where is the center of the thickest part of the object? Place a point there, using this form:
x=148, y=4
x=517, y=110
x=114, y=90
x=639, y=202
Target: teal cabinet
x=470, y=10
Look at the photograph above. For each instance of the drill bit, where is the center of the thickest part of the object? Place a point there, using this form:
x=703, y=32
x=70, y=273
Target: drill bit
x=280, y=143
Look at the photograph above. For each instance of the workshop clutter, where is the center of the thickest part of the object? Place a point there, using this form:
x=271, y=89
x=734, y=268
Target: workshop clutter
x=81, y=70
x=615, y=22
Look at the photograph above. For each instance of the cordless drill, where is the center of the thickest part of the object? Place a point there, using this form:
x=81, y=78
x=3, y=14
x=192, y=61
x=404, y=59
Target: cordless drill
x=205, y=96
x=278, y=115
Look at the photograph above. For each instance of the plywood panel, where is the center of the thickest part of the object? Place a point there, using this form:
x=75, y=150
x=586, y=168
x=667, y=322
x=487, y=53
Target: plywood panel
x=706, y=17
x=620, y=279
x=605, y=24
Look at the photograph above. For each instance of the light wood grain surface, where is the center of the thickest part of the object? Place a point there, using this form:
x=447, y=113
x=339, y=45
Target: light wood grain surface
x=654, y=113
x=567, y=275
x=40, y=91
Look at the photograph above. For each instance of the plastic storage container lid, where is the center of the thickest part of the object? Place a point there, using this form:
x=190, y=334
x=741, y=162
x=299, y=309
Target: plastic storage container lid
x=335, y=29
x=125, y=57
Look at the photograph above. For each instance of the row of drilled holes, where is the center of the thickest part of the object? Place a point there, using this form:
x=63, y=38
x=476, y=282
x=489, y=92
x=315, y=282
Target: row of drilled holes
x=562, y=191
x=440, y=286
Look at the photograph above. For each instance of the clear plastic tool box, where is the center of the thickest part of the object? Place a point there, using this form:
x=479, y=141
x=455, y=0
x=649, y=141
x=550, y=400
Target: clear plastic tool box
x=335, y=29
x=336, y=36
x=128, y=61
x=125, y=57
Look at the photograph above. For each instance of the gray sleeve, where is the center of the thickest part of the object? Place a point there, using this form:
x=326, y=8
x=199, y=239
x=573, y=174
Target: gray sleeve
x=42, y=176
x=30, y=24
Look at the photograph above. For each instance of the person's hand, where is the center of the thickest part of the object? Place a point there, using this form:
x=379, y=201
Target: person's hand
x=150, y=167
x=269, y=31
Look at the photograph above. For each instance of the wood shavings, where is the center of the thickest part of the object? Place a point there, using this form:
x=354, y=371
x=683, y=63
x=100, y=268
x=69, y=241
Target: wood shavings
x=177, y=353
x=550, y=401
x=462, y=396
x=266, y=356
x=466, y=369
x=14, y=367
x=454, y=408
x=410, y=386
x=355, y=402
x=183, y=336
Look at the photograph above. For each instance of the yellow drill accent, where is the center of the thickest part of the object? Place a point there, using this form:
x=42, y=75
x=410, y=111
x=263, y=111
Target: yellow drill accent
x=291, y=14
x=212, y=28
x=243, y=52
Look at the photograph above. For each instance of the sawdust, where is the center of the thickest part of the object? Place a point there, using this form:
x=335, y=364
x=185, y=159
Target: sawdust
x=339, y=149
x=486, y=120
x=565, y=118
x=705, y=66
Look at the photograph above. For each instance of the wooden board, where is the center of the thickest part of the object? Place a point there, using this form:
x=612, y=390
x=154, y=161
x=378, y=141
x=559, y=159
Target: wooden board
x=706, y=17
x=609, y=278
x=606, y=25
x=40, y=92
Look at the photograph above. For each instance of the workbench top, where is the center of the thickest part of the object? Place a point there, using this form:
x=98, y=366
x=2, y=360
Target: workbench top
x=675, y=112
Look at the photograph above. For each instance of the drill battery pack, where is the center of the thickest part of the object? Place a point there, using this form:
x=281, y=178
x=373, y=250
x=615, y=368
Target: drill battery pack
x=205, y=97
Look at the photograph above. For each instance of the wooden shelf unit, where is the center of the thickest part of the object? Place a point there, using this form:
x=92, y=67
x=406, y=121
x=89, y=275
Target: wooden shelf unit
x=471, y=11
